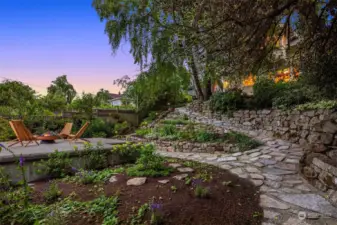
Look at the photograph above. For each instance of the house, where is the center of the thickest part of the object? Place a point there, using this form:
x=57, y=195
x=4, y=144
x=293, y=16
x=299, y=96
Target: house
x=115, y=99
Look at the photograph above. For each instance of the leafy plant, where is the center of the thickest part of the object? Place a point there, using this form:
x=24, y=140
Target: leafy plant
x=243, y=142
x=324, y=104
x=167, y=130
x=57, y=165
x=95, y=157
x=175, y=122
x=87, y=177
x=128, y=152
x=227, y=102
x=199, y=190
x=149, y=164
x=156, y=214
x=5, y=182
x=265, y=90
x=52, y=193
x=6, y=133
x=143, y=131
x=138, y=218
x=204, y=136
x=174, y=189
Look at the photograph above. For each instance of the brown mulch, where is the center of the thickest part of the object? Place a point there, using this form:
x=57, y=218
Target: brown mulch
x=236, y=204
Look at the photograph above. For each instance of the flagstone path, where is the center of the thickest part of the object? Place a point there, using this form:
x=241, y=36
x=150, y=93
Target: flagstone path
x=287, y=199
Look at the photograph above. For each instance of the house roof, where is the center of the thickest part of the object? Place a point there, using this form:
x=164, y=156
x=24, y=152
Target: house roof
x=113, y=96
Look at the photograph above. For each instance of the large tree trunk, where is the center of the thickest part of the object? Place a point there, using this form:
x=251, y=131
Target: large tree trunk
x=196, y=80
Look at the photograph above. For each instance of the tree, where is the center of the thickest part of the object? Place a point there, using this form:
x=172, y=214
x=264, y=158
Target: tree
x=86, y=104
x=62, y=87
x=18, y=97
x=150, y=91
x=102, y=96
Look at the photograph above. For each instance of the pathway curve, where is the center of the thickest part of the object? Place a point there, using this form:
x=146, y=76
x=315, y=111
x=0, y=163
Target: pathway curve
x=286, y=198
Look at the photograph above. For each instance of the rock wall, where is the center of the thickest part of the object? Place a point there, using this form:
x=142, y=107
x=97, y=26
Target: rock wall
x=315, y=130
x=184, y=146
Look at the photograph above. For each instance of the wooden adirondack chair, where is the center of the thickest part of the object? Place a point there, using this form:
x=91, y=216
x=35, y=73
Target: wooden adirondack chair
x=65, y=132
x=77, y=136
x=22, y=133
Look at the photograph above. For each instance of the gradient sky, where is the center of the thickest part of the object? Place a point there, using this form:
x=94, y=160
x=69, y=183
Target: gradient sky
x=43, y=39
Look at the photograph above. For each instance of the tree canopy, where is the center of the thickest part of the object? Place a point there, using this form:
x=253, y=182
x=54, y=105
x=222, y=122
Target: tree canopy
x=217, y=38
x=62, y=87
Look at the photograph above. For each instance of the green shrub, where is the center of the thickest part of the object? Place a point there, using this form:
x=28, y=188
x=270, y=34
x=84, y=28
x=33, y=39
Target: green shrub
x=201, y=192
x=175, y=122
x=95, y=157
x=243, y=142
x=6, y=133
x=205, y=136
x=319, y=69
x=167, y=130
x=265, y=90
x=149, y=164
x=143, y=131
x=52, y=193
x=98, y=128
x=5, y=182
x=122, y=128
x=294, y=93
x=227, y=102
x=324, y=104
x=57, y=165
x=128, y=152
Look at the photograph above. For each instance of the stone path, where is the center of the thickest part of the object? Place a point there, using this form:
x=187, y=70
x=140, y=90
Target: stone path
x=286, y=198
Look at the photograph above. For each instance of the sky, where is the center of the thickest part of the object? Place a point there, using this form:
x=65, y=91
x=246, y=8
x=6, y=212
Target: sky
x=43, y=39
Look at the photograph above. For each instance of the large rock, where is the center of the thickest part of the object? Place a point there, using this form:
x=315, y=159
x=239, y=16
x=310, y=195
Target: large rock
x=185, y=170
x=311, y=202
x=268, y=202
x=136, y=181
x=329, y=127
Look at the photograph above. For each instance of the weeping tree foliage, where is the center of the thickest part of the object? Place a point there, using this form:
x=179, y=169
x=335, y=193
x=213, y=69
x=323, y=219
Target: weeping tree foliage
x=61, y=87
x=153, y=34
x=150, y=91
x=223, y=38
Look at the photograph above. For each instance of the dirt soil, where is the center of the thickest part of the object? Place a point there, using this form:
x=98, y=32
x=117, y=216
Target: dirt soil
x=235, y=204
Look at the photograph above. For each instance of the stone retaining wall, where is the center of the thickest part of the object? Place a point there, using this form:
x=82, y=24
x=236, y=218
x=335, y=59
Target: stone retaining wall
x=315, y=130
x=184, y=146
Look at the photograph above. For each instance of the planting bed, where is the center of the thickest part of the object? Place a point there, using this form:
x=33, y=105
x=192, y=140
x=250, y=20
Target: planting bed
x=231, y=200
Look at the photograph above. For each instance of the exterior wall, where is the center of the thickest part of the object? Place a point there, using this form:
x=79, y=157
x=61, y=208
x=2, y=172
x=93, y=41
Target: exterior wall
x=116, y=102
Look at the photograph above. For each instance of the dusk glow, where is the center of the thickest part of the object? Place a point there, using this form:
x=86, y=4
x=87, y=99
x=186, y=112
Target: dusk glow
x=41, y=40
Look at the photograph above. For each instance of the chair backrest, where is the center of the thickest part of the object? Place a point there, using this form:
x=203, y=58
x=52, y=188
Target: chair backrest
x=21, y=131
x=66, y=129
x=82, y=130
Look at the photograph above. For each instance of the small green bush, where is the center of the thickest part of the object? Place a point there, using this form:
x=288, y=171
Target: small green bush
x=57, y=165
x=5, y=182
x=128, y=152
x=265, y=90
x=227, y=102
x=149, y=164
x=204, y=136
x=175, y=122
x=201, y=192
x=6, y=133
x=243, y=142
x=324, y=104
x=167, y=130
x=52, y=193
x=95, y=157
x=98, y=128
x=143, y=131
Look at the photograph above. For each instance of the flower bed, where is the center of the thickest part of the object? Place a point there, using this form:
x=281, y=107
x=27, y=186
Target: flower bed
x=150, y=191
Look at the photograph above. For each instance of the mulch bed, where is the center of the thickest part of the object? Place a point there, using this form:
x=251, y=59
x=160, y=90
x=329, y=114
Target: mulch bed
x=236, y=204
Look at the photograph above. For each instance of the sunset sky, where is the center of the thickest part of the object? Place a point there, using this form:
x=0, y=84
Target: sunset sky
x=43, y=39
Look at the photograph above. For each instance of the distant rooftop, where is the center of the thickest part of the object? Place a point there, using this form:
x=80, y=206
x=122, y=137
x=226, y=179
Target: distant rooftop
x=113, y=96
